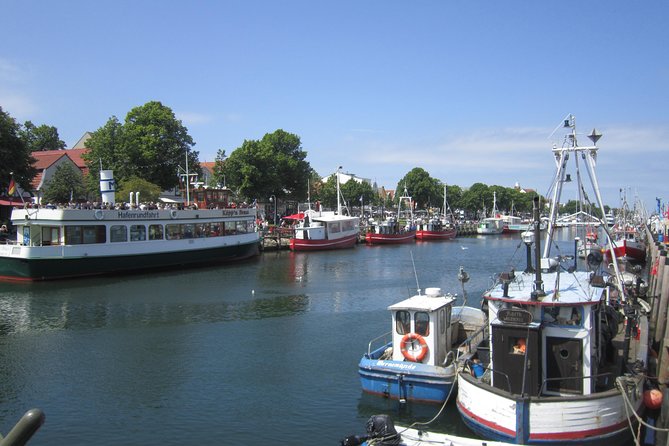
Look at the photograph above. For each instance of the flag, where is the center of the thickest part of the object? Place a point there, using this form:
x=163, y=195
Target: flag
x=12, y=187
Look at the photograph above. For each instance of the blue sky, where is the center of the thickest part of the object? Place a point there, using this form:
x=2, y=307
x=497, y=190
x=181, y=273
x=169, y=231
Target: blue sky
x=468, y=90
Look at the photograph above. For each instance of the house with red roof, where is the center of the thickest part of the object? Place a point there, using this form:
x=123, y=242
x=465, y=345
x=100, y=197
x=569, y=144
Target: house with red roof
x=46, y=163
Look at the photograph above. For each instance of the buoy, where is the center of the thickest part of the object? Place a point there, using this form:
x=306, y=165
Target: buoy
x=652, y=398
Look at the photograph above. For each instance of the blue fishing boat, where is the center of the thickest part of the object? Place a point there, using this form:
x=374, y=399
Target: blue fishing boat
x=419, y=359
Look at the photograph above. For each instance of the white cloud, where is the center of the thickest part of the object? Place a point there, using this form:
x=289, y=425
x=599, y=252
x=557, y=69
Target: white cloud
x=194, y=118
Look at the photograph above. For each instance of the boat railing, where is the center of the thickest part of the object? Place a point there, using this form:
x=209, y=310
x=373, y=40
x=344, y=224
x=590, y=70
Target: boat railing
x=378, y=342
x=468, y=346
x=546, y=381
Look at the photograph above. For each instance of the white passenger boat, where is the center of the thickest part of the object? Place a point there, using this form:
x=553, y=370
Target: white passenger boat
x=62, y=242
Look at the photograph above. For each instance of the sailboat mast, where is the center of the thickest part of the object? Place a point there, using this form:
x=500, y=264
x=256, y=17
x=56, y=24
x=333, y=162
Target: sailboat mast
x=338, y=192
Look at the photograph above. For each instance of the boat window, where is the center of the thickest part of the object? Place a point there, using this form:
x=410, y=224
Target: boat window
x=347, y=225
x=201, y=230
x=188, y=230
x=422, y=321
x=334, y=227
x=230, y=227
x=243, y=227
x=50, y=235
x=173, y=232
x=137, y=233
x=518, y=345
x=402, y=322
x=215, y=229
x=79, y=235
x=563, y=315
x=155, y=232
x=118, y=233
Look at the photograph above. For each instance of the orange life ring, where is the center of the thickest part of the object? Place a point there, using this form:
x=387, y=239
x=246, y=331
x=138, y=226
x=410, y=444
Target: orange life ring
x=409, y=338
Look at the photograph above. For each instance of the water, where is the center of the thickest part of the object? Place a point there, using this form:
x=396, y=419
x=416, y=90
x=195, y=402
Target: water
x=263, y=352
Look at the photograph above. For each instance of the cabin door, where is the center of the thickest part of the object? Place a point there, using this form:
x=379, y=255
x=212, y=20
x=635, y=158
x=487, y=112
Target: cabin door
x=564, y=369
x=515, y=356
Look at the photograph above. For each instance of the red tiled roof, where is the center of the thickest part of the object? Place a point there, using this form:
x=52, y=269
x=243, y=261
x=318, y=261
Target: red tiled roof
x=46, y=158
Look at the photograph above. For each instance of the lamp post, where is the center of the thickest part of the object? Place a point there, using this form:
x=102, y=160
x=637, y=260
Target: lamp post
x=272, y=199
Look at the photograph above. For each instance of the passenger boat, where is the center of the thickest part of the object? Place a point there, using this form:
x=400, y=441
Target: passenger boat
x=419, y=358
x=322, y=230
x=391, y=231
x=63, y=242
x=568, y=346
x=438, y=227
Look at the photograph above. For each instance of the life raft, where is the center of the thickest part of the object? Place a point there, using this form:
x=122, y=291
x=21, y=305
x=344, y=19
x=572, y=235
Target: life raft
x=410, y=355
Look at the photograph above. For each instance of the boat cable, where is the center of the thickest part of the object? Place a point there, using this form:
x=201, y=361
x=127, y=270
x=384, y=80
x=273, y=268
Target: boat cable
x=629, y=407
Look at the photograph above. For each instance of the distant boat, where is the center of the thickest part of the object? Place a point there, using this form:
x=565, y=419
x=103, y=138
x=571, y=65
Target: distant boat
x=438, y=227
x=491, y=225
x=390, y=231
x=319, y=230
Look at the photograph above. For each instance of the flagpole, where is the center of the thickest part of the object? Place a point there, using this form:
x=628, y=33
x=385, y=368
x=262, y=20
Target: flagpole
x=13, y=185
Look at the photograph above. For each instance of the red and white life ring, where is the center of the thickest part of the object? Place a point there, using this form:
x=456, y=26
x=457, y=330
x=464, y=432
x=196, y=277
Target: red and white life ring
x=409, y=354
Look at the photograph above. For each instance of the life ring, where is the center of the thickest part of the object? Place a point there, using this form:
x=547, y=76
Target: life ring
x=99, y=215
x=173, y=213
x=408, y=354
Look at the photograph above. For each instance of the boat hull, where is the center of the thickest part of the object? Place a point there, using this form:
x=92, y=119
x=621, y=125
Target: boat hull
x=321, y=245
x=403, y=380
x=436, y=235
x=632, y=250
x=387, y=239
x=33, y=268
x=597, y=419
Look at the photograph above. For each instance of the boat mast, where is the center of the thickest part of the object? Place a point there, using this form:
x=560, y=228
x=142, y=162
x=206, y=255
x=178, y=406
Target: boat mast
x=338, y=192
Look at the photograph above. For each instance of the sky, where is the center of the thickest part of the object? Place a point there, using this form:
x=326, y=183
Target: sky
x=470, y=91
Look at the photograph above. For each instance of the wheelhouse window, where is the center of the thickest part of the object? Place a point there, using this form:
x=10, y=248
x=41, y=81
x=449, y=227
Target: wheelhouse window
x=402, y=322
x=422, y=321
x=118, y=233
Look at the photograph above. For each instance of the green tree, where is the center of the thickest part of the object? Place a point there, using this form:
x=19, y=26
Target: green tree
x=151, y=144
x=423, y=189
x=275, y=165
x=41, y=138
x=147, y=191
x=17, y=162
x=65, y=185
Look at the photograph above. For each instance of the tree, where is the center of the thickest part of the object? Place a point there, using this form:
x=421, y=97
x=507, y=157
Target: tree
x=41, y=138
x=147, y=191
x=151, y=144
x=65, y=185
x=422, y=188
x=274, y=165
x=17, y=162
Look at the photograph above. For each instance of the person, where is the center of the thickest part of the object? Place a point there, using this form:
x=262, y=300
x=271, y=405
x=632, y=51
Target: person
x=4, y=232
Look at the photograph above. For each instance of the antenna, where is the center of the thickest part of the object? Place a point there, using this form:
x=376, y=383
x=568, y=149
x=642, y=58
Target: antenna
x=415, y=273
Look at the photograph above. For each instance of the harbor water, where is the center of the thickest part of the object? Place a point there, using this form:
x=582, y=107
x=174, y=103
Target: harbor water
x=261, y=352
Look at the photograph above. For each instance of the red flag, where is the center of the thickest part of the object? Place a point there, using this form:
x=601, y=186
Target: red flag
x=12, y=187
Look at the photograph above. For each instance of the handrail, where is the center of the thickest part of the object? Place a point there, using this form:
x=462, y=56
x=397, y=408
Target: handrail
x=369, y=346
x=24, y=429
x=467, y=343
x=576, y=378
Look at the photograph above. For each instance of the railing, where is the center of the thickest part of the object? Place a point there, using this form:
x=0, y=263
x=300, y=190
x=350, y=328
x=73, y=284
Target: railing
x=24, y=429
x=474, y=339
x=381, y=340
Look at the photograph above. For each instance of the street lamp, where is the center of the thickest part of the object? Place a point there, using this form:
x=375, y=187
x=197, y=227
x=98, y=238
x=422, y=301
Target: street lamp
x=272, y=199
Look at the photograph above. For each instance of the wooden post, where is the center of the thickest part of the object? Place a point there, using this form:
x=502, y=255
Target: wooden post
x=662, y=330
x=655, y=315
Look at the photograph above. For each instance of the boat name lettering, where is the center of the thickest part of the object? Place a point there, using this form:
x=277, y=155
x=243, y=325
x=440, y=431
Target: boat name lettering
x=514, y=316
x=402, y=366
x=235, y=212
x=135, y=215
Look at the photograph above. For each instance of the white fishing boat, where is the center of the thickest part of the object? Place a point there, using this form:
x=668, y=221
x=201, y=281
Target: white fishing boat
x=491, y=225
x=58, y=242
x=567, y=357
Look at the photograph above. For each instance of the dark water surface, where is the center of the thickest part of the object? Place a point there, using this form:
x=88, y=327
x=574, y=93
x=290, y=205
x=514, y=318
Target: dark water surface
x=263, y=352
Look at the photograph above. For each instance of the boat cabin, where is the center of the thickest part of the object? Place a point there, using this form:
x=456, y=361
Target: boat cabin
x=421, y=327
x=211, y=198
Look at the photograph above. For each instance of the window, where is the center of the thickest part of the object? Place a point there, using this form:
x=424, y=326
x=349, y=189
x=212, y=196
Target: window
x=50, y=235
x=155, y=232
x=422, y=320
x=73, y=235
x=137, y=233
x=118, y=233
x=79, y=235
x=402, y=322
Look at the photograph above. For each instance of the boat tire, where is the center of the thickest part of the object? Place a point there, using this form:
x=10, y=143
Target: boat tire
x=408, y=354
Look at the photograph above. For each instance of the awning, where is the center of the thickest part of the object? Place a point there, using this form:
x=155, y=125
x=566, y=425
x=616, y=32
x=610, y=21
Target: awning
x=298, y=216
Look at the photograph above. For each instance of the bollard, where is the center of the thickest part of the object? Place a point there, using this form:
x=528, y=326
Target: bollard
x=24, y=429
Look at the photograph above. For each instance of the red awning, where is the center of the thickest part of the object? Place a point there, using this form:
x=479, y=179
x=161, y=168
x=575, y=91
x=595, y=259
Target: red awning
x=298, y=216
x=11, y=202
